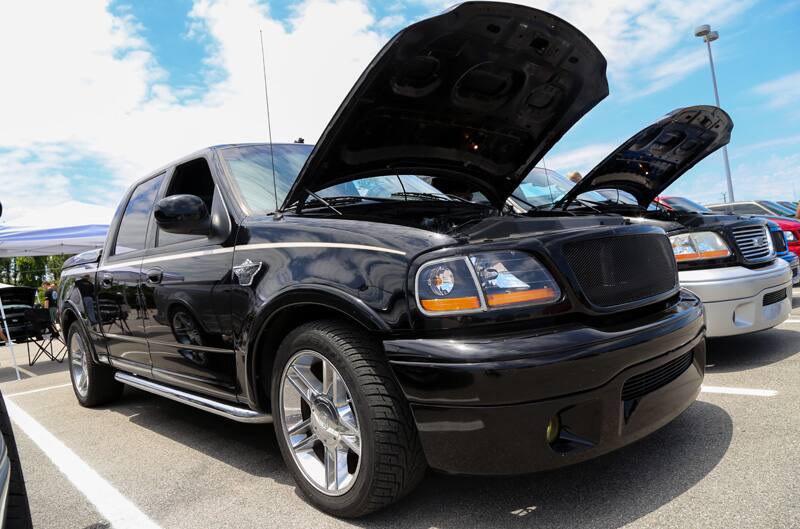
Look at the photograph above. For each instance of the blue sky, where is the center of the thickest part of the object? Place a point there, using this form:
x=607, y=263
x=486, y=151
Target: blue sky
x=108, y=91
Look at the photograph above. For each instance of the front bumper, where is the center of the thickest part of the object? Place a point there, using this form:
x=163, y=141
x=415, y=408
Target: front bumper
x=482, y=404
x=734, y=297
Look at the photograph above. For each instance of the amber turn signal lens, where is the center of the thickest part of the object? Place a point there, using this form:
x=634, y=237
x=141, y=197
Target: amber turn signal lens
x=521, y=296
x=714, y=254
x=451, y=304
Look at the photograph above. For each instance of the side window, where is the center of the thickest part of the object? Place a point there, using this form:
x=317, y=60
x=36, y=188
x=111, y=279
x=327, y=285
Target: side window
x=190, y=178
x=133, y=226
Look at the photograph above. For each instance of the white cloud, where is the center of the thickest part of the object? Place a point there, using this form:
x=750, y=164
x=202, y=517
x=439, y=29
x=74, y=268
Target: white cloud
x=782, y=92
x=86, y=82
x=582, y=159
x=768, y=178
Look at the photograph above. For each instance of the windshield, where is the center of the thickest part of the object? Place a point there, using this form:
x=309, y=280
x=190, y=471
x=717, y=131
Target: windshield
x=543, y=188
x=250, y=167
x=684, y=204
x=399, y=187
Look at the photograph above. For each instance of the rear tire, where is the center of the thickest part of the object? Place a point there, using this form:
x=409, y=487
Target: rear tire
x=93, y=383
x=389, y=462
x=18, y=512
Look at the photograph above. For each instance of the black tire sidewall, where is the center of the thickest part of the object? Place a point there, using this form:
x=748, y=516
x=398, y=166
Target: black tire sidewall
x=305, y=338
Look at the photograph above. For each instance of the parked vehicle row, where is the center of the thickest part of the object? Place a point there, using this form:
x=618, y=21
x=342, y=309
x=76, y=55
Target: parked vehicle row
x=408, y=293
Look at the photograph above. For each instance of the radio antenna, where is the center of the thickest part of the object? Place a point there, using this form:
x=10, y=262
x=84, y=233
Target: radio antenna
x=269, y=125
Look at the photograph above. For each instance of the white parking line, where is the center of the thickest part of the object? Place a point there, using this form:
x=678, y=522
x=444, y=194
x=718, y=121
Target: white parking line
x=739, y=391
x=48, y=388
x=113, y=506
x=791, y=321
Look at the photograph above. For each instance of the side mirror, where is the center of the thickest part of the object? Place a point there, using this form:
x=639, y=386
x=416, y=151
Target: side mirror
x=184, y=214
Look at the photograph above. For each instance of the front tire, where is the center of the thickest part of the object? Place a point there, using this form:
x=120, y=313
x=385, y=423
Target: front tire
x=343, y=425
x=93, y=384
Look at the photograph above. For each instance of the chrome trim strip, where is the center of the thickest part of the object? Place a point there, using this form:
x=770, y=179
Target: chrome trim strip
x=235, y=413
x=249, y=247
x=271, y=245
x=175, y=345
x=204, y=348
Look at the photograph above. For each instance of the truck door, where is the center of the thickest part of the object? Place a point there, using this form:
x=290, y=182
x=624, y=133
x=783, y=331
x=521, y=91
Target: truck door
x=188, y=308
x=119, y=312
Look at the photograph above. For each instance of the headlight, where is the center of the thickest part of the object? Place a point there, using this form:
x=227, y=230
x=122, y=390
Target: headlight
x=790, y=236
x=483, y=281
x=699, y=246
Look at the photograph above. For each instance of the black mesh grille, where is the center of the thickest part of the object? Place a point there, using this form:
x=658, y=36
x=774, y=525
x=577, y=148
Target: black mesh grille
x=644, y=383
x=617, y=270
x=778, y=241
x=774, y=297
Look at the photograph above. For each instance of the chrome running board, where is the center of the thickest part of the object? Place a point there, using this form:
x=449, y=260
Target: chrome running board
x=229, y=411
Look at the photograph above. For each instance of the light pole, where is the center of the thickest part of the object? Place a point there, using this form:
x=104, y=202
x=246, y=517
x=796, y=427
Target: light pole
x=708, y=37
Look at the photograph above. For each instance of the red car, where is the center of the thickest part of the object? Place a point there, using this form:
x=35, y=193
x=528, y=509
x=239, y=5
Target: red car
x=790, y=227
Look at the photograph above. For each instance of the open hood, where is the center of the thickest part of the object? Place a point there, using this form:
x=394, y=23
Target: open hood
x=479, y=93
x=650, y=161
x=18, y=296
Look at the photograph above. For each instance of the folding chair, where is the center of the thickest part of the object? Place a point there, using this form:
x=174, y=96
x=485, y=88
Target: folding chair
x=44, y=336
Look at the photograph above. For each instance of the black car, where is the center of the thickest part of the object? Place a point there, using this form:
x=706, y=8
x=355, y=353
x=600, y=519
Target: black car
x=384, y=326
x=16, y=302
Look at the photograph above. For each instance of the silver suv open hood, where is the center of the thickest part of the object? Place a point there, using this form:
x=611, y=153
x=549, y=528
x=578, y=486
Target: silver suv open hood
x=479, y=93
x=650, y=161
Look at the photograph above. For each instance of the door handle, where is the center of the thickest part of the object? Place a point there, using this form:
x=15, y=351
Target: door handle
x=106, y=280
x=154, y=276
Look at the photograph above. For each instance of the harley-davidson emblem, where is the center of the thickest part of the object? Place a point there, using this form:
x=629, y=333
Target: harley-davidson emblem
x=246, y=272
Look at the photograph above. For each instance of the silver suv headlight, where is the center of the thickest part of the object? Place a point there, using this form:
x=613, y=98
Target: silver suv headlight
x=483, y=281
x=699, y=246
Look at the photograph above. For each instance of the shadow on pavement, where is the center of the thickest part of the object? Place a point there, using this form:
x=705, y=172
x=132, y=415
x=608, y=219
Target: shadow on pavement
x=251, y=448
x=750, y=351
x=42, y=367
x=605, y=493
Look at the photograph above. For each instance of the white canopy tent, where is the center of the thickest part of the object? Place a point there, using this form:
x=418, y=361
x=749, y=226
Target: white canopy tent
x=66, y=228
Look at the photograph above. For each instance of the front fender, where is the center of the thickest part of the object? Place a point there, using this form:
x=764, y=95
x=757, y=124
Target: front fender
x=318, y=296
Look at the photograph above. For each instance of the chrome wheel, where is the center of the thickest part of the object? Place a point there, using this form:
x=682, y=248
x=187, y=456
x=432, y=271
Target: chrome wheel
x=319, y=423
x=78, y=364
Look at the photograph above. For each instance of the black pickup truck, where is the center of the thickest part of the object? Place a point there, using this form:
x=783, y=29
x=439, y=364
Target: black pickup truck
x=382, y=325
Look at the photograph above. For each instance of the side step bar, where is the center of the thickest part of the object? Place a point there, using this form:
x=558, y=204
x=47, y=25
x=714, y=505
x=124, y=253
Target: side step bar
x=235, y=413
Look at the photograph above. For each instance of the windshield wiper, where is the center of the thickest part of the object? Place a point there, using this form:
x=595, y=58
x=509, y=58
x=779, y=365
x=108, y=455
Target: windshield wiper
x=530, y=205
x=446, y=197
x=435, y=196
x=330, y=202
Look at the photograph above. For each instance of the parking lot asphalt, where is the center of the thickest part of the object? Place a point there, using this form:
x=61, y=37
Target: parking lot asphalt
x=732, y=460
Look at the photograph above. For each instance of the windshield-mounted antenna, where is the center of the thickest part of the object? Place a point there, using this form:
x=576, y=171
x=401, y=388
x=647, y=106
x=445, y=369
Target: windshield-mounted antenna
x=278, y=213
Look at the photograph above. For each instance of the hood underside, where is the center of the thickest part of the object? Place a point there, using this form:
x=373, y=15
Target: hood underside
x=650, y=161
x=479, y=93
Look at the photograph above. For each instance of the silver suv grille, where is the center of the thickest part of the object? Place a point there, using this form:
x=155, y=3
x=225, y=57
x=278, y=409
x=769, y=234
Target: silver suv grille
x=753, y=242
